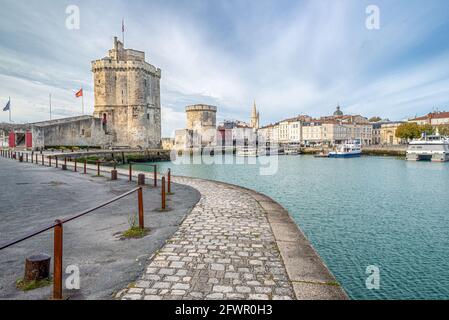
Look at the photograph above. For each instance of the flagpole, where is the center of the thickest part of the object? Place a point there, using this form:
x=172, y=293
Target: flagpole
x=9, y=110
x=82, y=101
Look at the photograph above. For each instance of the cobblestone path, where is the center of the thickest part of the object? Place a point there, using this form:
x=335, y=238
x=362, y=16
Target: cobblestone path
x=224, y=249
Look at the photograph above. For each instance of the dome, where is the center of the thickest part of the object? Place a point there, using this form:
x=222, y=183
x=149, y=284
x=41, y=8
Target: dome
x=338, y=112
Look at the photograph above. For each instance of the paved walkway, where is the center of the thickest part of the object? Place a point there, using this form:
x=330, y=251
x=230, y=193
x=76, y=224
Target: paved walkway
x=224, y=249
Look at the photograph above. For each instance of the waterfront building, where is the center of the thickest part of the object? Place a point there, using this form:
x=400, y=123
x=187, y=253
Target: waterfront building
x=312, y=133
x=376, y=132
x=434, y=119
x=269, y=133
x=388, y=133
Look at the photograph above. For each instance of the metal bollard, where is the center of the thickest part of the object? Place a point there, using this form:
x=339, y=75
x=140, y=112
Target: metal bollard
x=56, y=162
x=141, y=179
x=169, y=181
x=43, y=162
x=140, y=200
x=85, y=166
x=98, y=168
x=49, y=161
x=163, y=193
x=130, y=172
x=114, y=175
x=76, y=169
x=26, y=157
x=57, y=263
x=155, y=176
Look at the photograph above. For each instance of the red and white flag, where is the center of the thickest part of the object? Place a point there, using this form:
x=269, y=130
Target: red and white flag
x=79, y=93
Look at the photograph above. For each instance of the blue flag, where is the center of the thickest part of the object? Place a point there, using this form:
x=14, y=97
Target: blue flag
x=6, y=108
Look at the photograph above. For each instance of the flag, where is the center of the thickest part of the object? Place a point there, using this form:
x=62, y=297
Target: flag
x=7, y=107
x=123, y=25
x=79, y=93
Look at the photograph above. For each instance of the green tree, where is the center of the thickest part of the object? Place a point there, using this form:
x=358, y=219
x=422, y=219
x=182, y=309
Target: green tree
x=375, y=119
x=443, y=129
x=427, y=129
x=408, y=131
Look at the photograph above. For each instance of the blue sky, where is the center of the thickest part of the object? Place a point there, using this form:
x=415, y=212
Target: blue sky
x=292, y=57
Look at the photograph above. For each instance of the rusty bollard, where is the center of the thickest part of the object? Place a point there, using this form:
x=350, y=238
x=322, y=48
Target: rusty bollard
x=141, y=179
x=37, y=267
x=169, y=181
x=98, y=168
x=140, y=203
x=76, y=169
x=56, y=162
x=163, y=193
x=49, y=161
x=130, y=172
x=43, y=162
x=85, y=166
x=114, y=175
x=26, y=157
x=57, y=262
x=37, y=159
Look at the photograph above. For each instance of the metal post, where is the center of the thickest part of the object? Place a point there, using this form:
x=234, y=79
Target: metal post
x=37, y=159
x=85, y=166
x=43, y=162
x=56, y=162
x=49, y=161
x=98, y=168
x=155, y=175
x=163, y=193
x=75, y=165
x=169, y=181
x=26, y=156
x=130, y=172
x=57, y=260
x=140, y=200
x=65, y=161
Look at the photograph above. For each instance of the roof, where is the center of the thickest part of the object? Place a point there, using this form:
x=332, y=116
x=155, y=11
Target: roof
x=433, y=115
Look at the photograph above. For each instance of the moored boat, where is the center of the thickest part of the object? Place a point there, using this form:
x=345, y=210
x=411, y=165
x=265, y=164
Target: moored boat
x=349, y=149
x=433, y=148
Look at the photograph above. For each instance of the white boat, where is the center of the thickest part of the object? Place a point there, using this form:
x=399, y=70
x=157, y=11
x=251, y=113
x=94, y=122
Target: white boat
x=349, y=149
x=433, y=148
x=291, y=150
x=246, y=152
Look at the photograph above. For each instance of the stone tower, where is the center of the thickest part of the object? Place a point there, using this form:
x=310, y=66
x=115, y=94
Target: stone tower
x=128, y=97
x=202, y=121
x=255, y=117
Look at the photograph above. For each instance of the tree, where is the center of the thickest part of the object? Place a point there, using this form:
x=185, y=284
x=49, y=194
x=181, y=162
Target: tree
x=408, y=131
x=443, y=129
x=427, y=129
x=375, y=119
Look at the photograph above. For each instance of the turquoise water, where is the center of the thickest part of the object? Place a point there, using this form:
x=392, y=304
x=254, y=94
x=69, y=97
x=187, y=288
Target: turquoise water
x=385, y=212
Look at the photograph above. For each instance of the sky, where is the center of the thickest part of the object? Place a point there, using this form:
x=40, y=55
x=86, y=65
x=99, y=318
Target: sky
x=291, y=57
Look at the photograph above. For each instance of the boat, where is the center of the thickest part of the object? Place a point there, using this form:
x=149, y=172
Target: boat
x=433, y=148
x=291, y=150
x=350, y=149
x=246, y=152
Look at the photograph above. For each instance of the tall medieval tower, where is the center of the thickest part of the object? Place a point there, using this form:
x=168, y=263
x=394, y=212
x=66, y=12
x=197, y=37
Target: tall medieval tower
x=128, y=97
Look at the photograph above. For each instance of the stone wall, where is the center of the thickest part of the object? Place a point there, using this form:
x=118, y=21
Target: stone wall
x=78, y=131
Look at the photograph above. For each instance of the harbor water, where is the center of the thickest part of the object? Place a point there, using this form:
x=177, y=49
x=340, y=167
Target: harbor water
x=370, y=211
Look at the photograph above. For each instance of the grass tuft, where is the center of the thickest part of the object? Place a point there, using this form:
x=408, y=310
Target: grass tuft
x=32, y=285
x=135, y=233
